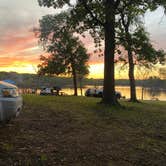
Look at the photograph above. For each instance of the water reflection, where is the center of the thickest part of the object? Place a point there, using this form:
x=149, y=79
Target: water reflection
x=148, y=93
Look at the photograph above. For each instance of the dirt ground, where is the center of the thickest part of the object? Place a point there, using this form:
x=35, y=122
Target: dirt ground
x=77, y=132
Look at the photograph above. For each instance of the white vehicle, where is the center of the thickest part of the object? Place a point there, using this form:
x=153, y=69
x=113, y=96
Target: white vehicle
x=10, y=101
x=51, y=91
x=95, y=92
x=46, y=91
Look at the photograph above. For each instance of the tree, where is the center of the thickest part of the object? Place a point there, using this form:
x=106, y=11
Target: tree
x=136, y=42
x=67, y=54
x=99, y=17
x=127, y=17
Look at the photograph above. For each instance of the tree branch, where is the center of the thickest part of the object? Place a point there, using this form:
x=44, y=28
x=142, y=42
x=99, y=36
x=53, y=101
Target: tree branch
x=84, y=3
x=125, y=4
x=117, y=4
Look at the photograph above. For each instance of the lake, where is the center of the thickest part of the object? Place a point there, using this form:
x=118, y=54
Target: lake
x=148, y=93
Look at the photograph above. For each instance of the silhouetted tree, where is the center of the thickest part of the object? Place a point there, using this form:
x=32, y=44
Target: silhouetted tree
x=136, y=42
x=98, y=17
x=67, y=54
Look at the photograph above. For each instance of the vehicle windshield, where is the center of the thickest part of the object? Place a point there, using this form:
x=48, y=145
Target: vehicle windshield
x=9, y=92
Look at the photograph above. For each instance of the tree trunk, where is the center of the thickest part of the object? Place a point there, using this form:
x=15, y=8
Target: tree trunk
x=74, y=81
x=109, y=80
x=142, y=95
x=81, y=87
x=133, y=97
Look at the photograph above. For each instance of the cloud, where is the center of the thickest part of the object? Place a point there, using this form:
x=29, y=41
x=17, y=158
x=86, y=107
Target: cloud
x=17, y=41
x=155, y=23
x=19, y=47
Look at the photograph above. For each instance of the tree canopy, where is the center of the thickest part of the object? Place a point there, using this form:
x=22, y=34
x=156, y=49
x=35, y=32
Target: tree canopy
x=67, y=54
x=99, y=18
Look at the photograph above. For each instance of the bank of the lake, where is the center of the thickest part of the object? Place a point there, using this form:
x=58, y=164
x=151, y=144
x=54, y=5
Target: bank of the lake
x=73, y=131
x=142, y=92
x=36, y=81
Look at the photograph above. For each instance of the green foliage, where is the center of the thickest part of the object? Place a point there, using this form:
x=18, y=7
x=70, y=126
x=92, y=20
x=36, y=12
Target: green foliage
x=54, y=3
x=66, y=52
x=133, y=37
x=136, y=42
x=101, y=19
x=144, y=50
x=88, y=15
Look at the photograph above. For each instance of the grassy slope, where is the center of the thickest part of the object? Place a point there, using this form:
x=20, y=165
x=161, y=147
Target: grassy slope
x=77, y=131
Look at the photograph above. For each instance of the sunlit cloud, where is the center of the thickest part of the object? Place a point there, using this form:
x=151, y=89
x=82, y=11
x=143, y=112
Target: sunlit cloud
x=19, y=50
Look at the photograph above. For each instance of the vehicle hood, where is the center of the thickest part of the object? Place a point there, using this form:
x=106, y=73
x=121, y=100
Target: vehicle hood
x=6, y=85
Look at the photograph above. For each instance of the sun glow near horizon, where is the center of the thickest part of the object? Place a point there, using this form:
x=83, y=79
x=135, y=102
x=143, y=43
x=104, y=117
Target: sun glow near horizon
x=20, y=68
x=96, y=71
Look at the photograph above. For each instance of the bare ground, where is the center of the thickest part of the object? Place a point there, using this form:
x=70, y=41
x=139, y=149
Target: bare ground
x=79, y=132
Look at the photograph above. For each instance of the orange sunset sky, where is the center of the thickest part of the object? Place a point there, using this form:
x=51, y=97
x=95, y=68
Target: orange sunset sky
x=19, y=50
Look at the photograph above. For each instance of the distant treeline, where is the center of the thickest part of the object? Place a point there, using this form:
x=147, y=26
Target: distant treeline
x=35, y=81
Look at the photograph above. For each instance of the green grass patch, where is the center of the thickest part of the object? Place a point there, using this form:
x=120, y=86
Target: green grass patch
x=68, y=130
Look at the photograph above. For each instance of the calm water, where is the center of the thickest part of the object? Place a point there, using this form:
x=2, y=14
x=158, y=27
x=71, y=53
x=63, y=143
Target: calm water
x=148, y=94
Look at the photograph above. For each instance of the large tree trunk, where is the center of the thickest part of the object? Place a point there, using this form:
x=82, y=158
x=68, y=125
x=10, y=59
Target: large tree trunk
x=74, y=81
x=109, y=80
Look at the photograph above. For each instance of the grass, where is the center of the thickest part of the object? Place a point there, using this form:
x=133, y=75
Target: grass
x=78, y=132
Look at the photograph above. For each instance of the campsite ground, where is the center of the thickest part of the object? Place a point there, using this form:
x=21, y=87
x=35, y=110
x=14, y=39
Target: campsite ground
x=78, y=132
